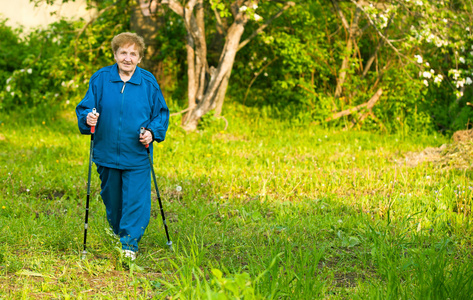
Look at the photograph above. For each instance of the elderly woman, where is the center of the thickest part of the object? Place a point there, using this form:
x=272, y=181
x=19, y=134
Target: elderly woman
x=126, y=98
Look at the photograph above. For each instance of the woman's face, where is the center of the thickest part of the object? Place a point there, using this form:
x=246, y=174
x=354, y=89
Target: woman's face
x=127, y=57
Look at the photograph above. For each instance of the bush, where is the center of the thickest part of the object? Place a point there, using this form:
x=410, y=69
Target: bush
x=48, y=69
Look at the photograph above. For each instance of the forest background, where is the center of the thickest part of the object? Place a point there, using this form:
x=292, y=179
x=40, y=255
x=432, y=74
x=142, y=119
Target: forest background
x=309, y=153
x=305, y=61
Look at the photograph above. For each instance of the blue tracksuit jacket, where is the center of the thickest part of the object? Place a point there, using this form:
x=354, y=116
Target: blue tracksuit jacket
x=124, y=108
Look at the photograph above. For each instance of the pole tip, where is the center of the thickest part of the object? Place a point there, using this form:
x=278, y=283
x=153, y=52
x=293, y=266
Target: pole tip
x=84, y=255
x=170, y=245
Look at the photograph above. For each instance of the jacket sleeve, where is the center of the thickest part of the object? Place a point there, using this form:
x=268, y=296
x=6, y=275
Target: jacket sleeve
x=160, y=117
x=85, y=107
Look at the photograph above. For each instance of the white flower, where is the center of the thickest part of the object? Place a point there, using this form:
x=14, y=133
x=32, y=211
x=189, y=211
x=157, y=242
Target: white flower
x=385, y=21
x=427, y=74
x=426, y=82
x=460, y=83
x=12, y=94
x=178, y=188
x=439, y=43
x=9, y=79
x=427, y=64
x=468, y=81
x=265, y=74
x=420, y=3
x=467, y=29
x=454, y=73
x=8, y=88
x=243, y=8
x=29, y=71
x=419, y=59
x=462, y=60
x=445, y=21
x=255, y=6
x=258, y=17
x=438, y=78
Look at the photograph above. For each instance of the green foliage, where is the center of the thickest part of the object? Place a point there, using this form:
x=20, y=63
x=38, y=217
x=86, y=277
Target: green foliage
x=48, y=69
x=289, y=64
x=172, y=54
x=12, y=52
x=290, y=70
x=308, y=44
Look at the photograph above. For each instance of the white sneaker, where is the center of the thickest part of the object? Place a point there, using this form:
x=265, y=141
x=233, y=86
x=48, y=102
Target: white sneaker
x=129, y=254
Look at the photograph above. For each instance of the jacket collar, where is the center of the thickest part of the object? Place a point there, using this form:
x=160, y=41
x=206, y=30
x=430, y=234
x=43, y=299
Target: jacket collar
x=115, y=77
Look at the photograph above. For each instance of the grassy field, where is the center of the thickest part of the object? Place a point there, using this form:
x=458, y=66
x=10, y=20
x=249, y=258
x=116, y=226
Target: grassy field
x=262, y=210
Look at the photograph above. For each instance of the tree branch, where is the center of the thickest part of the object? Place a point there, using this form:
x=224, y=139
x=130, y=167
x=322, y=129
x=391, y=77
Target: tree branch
x=380, y=44
x=379, y=32
x=340, y=14
x=220, y=27
x=92, y=20
x=174, y=6
x=262, y=27
x=369, y=105
x=181, y=112
x=256, y=76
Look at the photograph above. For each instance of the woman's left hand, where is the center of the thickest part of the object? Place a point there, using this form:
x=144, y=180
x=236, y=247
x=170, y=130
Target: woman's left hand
x=146, y=138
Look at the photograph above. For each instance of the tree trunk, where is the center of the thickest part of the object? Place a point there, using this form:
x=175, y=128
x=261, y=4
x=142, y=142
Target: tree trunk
x=352, y=32
x=221, y=94
x=217, y=86
x=191, y=86
x=145, y=22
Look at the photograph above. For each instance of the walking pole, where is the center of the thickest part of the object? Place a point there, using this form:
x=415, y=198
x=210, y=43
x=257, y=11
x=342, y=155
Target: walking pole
x=169, y=243
x=86, y=224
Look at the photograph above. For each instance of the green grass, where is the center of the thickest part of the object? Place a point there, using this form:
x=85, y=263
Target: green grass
x=267, y=210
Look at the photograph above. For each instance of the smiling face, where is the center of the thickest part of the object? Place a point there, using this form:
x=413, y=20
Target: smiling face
x=127, y=58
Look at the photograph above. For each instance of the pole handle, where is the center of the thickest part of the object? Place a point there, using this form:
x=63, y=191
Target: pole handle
x=92, y=129
x=142, y=131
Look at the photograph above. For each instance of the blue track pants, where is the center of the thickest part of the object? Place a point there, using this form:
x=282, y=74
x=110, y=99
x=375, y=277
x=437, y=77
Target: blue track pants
x=127, y=198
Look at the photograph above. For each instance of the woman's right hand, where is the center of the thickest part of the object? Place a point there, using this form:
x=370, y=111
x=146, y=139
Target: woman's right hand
x=92, y=119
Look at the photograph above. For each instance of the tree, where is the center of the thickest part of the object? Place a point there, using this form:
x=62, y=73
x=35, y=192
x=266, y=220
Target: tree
x=207, y=84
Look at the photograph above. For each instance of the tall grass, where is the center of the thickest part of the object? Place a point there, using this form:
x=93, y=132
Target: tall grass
x=266, y=210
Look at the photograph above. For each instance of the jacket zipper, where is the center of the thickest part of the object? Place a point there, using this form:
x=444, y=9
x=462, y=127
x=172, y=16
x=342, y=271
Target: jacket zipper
x=120, y=122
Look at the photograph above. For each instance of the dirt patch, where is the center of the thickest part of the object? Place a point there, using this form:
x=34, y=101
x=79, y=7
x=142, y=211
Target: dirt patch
x=348, y=280
x=412, y=159
x=463, y=136
x=458, y=155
